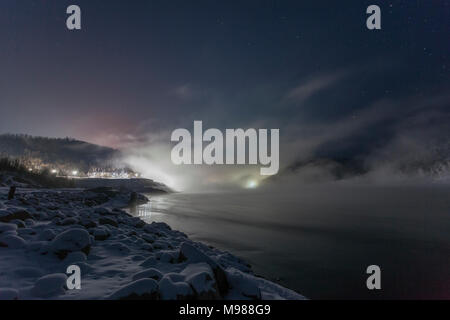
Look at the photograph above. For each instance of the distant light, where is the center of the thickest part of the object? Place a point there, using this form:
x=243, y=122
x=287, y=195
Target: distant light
x=54, y=171
x=74, y=173
x=252, y=184
x=136, y=174
x=30, y=169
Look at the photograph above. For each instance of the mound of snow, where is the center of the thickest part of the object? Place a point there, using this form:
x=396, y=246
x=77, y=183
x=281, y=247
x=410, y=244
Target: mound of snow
x=201, y=278
x=49, y=285
x=173, y=287
x=9, y=294
x=150, y=262
x=193, y=255
x=140, y=289
x=28, y=272
x=76, y=256
x=14, y=214
x=70, y=241
x=4, y=227
x=247, y=286
x=47, y=235
x=150, y=273
x=12, y=241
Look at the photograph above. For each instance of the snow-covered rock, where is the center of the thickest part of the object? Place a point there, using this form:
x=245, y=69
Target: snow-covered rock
x=141, y=289
x=193, y=255
x=14, y=214
x=47, y=235
x=149, y=262
x=68, y=221
x=108, y=221
x=173, y=287
x=28, y=272
x=101, y=234
x=74, y=257
x=243, y=285
x=201, y=278
x=7, y=227
x=9, y=294
x=70, y=241
x=12, y=242
x=151, y=273
x=49, y=285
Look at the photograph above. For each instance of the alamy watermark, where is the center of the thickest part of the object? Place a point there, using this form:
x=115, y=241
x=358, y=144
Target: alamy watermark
x=74, y=277
x=73, y=21
x=373, y=282
x=241, y=147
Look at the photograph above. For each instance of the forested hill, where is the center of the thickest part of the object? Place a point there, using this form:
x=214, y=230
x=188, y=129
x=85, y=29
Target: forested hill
x=57, y=151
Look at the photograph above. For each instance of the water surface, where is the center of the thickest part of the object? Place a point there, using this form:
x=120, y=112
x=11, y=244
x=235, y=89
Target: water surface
x=319, y=240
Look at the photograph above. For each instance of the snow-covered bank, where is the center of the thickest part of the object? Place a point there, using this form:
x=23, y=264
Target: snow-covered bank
x=137, y=184
x=42, y=232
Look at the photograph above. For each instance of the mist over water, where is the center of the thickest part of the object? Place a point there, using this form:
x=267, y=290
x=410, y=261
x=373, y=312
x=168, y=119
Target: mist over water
x=319, y=239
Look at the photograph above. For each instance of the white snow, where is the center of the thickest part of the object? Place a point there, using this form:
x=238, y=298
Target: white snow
x=71, y=240
x=143, y=288
x=12, y=241
x=49, y=285
x=5, y=227
x=9, y=294
x=42, y=232
x=148, y=273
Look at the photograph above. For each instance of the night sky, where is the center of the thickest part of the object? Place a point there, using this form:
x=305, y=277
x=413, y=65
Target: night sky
x=139, y=69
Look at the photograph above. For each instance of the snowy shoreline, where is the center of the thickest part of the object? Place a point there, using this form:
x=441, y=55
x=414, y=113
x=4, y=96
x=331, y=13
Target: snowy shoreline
x=43, y=231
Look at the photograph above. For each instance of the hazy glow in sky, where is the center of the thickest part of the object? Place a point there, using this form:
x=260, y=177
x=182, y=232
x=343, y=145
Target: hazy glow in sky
x=141, y=69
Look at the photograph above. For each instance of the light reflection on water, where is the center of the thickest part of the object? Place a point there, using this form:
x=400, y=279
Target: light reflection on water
x=320, y=241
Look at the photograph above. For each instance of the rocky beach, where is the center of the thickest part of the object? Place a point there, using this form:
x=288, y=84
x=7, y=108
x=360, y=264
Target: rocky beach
x=44, y=231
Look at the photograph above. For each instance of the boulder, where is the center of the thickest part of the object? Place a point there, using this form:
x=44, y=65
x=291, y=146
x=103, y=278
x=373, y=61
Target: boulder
x=18, y=214
x=173, y=287
x=69, y=241
x=148, y=237
x=101, y=234
x=193, y=255
x=49, y=285
x=87, y=223
x=102, y=211
x=244, y=284
x=47, y=235
x=28, y=272
x=18, y=223
x=9, y=294
x=201, y=278
x=74, y=257
x=29, y=222
x=12, y=242
x=26, y=231
x=119, y=248
x=143, y=289
x=151, y=273
x=108, y=221
x=136, y=222
x=7, y=227
x=150, y=262
x=68, y=221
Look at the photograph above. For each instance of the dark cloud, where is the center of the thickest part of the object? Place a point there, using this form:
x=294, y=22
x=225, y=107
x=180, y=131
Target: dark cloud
x=136, y=71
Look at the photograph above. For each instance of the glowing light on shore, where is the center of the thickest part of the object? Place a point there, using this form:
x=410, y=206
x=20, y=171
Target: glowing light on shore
x=251, y=184
x=54, y=171
x=74, y=172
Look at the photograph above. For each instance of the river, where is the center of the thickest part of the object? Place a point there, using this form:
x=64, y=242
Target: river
x=319, y=240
